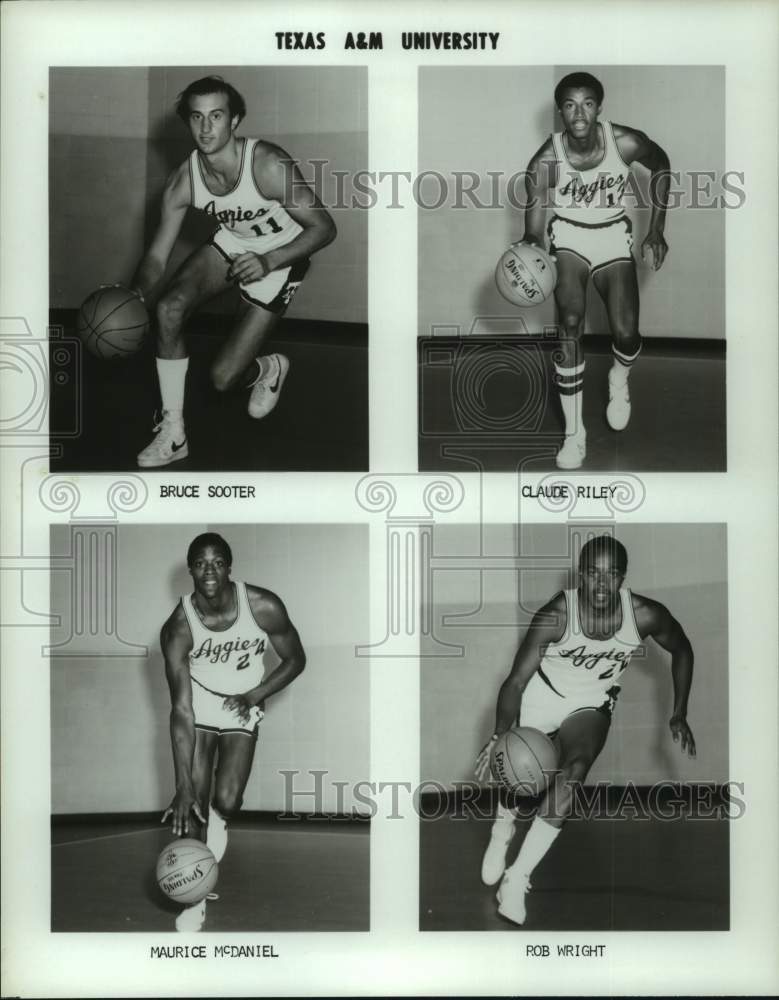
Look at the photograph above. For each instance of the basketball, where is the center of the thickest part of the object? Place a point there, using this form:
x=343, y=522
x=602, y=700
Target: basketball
x=520, y=757
x=112, y=322
x=526, y=275
x=186, y=871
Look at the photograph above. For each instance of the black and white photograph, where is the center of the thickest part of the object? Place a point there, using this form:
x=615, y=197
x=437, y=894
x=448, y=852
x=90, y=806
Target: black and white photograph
x=388, y=535
x=574, y=742
x=202, y=778
x=204, y=301
x=572, y=296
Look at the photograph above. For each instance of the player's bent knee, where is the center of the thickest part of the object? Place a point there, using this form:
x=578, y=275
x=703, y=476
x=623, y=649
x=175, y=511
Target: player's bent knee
x=172, y=309
x=626, y=338
x=572, y=321
x=227, y=802
x=574, y=769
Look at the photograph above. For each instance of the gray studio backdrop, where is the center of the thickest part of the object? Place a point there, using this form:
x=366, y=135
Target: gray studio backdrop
x=494, y=119
x=110, y=746
x=684, y=566
x=114, y=138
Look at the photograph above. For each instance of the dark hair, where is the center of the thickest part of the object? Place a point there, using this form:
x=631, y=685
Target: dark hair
x=209, y=538
x=211, y=85
x=605, y=545
x=574, y=81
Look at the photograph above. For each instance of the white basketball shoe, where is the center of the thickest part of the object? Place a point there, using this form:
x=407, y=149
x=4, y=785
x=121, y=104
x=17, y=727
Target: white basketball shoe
x=192, y=918
x=573, y=451
x=169, y=443
x=511, y=896
x=267, y=389
x=618, y=410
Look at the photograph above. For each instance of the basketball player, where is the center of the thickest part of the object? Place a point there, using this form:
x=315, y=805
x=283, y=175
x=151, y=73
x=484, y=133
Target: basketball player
x=269, y=223
x=581, y=172
x=213, y=645
x=564, y=682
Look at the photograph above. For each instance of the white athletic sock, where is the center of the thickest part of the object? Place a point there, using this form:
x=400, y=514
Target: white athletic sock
x=537, y=842
x=622, y=364
x=504, y=816
x=173, y=376
x=570, y=383
x=216, y=834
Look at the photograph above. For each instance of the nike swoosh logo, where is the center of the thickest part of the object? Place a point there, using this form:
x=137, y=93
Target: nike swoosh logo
x=177, y=447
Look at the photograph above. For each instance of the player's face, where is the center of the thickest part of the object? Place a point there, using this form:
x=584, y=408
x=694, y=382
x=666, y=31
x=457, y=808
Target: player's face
x=600, y=580
x=210, y=122
x=209, y=570
x=579, y=110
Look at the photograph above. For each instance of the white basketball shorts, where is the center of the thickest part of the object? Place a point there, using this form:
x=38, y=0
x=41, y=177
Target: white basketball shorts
x=213, y=717
x=596, y=245
x=274, y=292
x=544, y=709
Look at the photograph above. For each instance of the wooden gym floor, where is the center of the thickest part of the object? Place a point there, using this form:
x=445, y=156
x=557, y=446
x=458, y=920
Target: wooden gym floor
x=102, y=411
x=677, y=389
x=599, y=875
x=311, y=875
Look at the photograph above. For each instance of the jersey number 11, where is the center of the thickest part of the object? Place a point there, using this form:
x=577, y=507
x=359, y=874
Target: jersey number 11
x=271, y=226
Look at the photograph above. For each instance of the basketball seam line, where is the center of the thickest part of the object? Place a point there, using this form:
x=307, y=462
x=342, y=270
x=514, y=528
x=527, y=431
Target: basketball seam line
x=535, y=755
x=115, y=309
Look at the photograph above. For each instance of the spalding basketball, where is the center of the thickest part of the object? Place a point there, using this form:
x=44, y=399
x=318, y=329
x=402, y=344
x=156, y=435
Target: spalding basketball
x=186, y=871
x=526, y=275
x=112, y=322
x=523, y=760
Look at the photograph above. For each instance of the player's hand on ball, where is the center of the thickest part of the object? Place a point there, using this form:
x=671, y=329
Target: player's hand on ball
x=681, y=731
x=482, y=769
x=183, y=803
x=238, y=704
x=248, y=267
x=528, y=241
x=656, y=245
x=531, y=241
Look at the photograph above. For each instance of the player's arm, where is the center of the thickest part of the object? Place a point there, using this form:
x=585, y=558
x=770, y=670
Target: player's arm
x=547, y=626
x=539, y=176
x=656, y=620
x=636, y=147
x=278, y=177
x=176, y=642
x=271, y=615
x=175, y=199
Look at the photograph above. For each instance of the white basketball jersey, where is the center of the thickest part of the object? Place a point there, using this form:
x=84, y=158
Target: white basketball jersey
x=244, y=211
x=579, y=667
x=594, y=196
x=227, y=661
